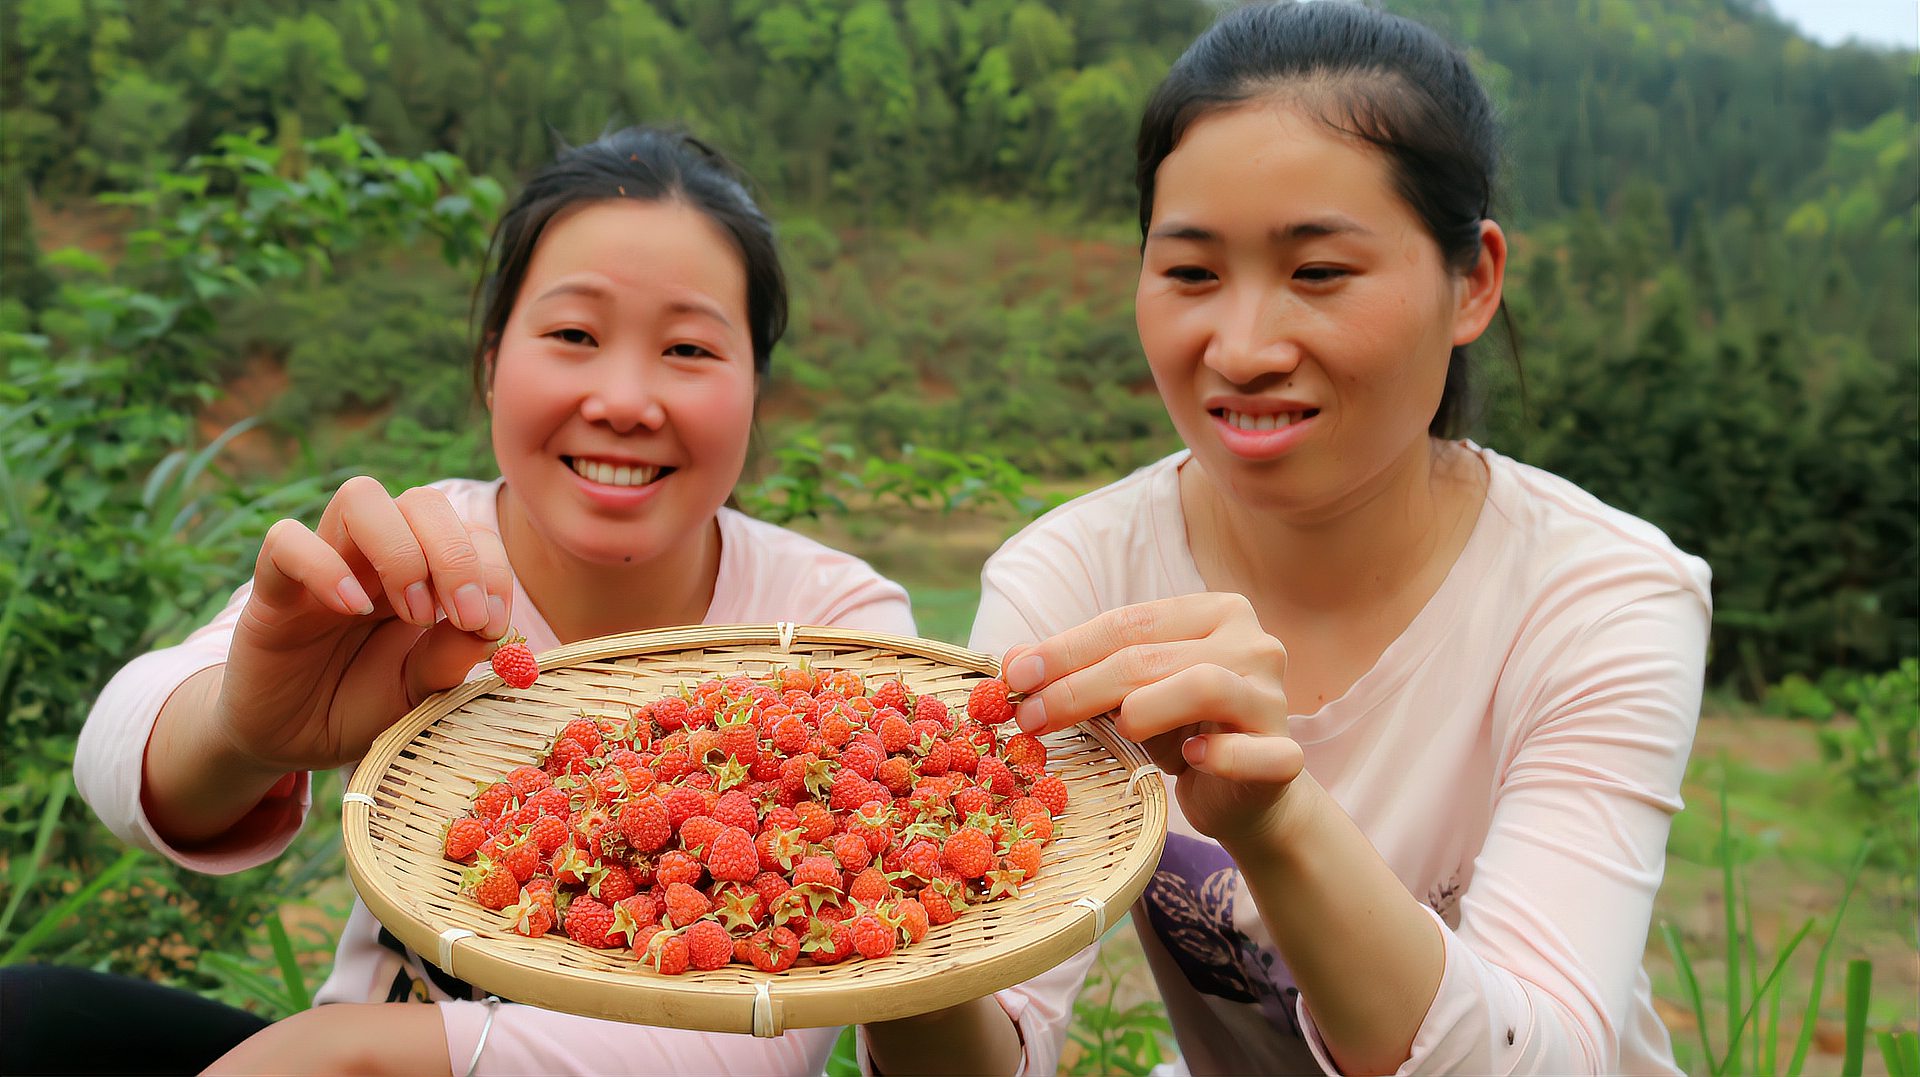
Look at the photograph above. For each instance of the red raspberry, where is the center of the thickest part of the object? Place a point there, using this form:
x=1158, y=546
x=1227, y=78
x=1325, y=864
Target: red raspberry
x=532, y=915
x=771, y=951
x=987, y=703
x=528, y=780
x=940, y=904
x=464, y=835
x=770, y=885
x=584, y=730
x=633, y=915
x=969, y=851
x=610, y=883
x=994, y=775
x=1024, y=855
x=548, y=833
x=870, y=887
x=588, y=921
x=1052, y=792
x=923, y=857
x=670, y=713
x=552, y=801
x=683, y=803
x=850, y=790
x=735, y=808
x=827, y=942
x=871, y=937
x=913, y=918
x=740, y=907
x=569, y=756
x=1024, y=749
x=516, y=665
x=851, y=850
x=815, y=819
x=671, y=765
x=676, y=866
x=818, y=870
x=962, y=756
x=930, y=709
x=780, y=848
x=493, y=884
x=492, y=799
x=709, y=946
x=698, y=832
x=971, y=800
x=732, y=857
x=522, y=858
x=684, y=904
x=789, y=735
x=668, y=953
x=896, y=774
x=893, y=694
x=646, y=824
x=570, y=864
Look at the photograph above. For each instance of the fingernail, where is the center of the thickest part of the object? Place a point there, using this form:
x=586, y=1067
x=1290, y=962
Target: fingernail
x=1026, y=673
x=1194, y=751
x=1031, y=714
x=354, y=596
x=471, y=602
x=419, y=604
x=496, y=617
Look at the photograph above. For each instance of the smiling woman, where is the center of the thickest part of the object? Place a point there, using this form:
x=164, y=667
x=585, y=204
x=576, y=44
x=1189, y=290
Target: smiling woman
x=632, y=305
x=1425, y=709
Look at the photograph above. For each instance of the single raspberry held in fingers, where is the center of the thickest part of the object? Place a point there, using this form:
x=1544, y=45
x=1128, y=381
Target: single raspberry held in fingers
x=987, y=703
x=515, y=663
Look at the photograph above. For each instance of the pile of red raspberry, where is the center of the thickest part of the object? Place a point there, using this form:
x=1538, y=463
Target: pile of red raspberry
x=764, y=820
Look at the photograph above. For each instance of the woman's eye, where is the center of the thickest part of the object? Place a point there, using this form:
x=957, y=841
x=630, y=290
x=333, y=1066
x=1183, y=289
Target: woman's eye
x=1319, y=274
x=689, y=351
x=1190, y=274
x=573, y=336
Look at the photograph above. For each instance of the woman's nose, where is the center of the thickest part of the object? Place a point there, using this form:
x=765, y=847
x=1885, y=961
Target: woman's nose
x=623, y=394
x=1252, y=337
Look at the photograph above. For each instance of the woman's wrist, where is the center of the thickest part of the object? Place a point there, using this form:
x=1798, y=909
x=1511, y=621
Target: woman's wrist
x=976, y=1036
x=195, y=782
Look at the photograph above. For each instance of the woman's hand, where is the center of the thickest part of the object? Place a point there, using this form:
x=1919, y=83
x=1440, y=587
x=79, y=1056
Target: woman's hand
x=342, y=634
x=1197, y=682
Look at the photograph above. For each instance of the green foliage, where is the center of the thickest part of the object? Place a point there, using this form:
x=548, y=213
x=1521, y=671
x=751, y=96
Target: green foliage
x=1750, y=1006
x=1114, y=1037
x=1870, y=731
x=118, y=529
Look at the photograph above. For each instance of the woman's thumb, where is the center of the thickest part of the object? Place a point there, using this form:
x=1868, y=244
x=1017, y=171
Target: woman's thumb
x=441, y=659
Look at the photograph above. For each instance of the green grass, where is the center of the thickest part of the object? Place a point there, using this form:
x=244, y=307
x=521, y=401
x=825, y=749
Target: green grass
x=945, y=613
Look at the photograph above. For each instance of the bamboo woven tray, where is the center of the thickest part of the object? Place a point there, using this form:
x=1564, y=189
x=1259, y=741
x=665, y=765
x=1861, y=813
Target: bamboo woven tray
x=422, y=771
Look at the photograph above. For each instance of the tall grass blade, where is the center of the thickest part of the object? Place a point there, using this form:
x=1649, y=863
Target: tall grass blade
x=54, y=917
x=27, y=872
x=1811, y=1018
x=1859, y=990
x=1691, y=985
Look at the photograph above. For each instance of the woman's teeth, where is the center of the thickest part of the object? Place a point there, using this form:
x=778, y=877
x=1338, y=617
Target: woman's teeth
x=614, y=474
x=1242, y=421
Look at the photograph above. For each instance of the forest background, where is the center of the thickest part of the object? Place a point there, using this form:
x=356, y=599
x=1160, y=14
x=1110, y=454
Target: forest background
x=238, y=241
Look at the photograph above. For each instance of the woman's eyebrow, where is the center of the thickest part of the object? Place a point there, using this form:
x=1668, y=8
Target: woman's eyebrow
x=589, y=290
x=1314, y=228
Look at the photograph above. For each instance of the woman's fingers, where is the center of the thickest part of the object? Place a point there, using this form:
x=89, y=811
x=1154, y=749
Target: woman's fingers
x=1202, y=696
x=1245, y=758
x=499, y=573
x=294, y=561
x=1240, y=650
x=458, y=573
x=366, y=526
x=441, y=659
x=1162, y=621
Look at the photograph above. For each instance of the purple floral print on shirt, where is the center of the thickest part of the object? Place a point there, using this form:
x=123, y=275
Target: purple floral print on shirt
x=1190, y=907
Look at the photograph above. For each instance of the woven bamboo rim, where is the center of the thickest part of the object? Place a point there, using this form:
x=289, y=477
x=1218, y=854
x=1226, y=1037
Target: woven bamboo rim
x=423, y=769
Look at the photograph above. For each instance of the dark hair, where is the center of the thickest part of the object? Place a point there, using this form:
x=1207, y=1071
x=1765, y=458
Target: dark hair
x=648, y=163
x=1389, y=81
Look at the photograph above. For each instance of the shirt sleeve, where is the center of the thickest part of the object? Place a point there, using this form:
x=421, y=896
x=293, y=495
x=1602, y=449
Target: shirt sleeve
x=526, y=1039
x=1541, y=974
x=109, y=763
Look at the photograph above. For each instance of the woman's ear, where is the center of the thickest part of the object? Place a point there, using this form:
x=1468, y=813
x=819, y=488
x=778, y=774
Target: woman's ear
x=1479, y=290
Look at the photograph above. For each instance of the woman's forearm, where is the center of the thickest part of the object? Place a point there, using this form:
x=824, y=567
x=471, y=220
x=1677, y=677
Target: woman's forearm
x=1365, y=956
x=974, y=1037
x=193, y=786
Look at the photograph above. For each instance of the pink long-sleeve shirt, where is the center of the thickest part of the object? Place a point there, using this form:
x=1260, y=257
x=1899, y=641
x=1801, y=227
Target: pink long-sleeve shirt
x=1515, y=756
x=766, y=573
